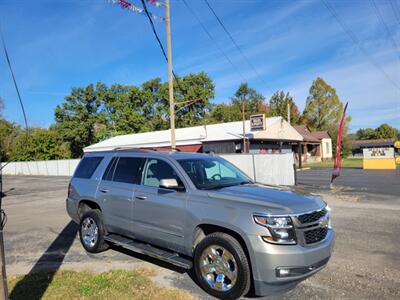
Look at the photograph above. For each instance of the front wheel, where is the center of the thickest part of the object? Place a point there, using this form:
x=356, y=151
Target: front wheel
x=221, y=266
x=91, y=232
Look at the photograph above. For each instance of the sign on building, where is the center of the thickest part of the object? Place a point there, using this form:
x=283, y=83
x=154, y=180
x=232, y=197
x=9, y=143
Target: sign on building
x=379, y=159
x=378, y=152
x=257, y=122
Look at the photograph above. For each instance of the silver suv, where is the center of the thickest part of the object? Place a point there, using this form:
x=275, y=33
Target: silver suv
x=199, y=211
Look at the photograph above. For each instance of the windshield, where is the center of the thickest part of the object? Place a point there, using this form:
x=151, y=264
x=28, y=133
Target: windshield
x=213, y=173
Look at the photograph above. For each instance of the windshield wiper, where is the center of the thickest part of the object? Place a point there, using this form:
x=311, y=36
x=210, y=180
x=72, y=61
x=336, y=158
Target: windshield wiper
x=220, y=186
x=246, y=182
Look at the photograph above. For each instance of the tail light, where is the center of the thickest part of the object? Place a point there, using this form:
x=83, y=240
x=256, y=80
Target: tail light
x=69, y=189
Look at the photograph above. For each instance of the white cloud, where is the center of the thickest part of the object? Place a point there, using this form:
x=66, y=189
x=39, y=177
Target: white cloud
x=372, y=98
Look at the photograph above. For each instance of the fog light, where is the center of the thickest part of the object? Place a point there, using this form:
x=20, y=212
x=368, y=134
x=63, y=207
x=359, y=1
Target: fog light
x=283, y=272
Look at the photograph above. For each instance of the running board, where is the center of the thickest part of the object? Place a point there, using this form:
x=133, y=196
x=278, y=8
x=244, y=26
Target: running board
x=146, y=249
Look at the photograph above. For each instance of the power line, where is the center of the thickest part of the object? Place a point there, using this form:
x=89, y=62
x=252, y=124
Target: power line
x=212, y=39
x=383, y=23
x=396, y=10
x=159, y=41
x=354, y=39
x=154, y=30
x=234, y=43
x=13, y=77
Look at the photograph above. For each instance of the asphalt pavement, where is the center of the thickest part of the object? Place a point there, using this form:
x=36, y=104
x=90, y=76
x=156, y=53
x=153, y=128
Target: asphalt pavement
x=365, y=212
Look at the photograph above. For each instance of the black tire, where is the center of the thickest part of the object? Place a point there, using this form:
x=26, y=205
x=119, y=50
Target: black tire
x=96, y=219
x=243, y=281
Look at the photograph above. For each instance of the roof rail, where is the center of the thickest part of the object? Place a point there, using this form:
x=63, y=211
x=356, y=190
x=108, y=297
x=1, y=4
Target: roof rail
x=133, y=149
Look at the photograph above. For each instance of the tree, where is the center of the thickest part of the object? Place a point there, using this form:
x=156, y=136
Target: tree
x=366, y=134
x=157, y=109
x=384, y=131
x=225, y=113
x=192, y=96
x=324, y=110
x=8, y=131
x=278, y=107
x=253, y=101
x=76, y=118
x=323, y=107
x=230, y=112
x=125, y=110
x=38, y=144
x=1, y=106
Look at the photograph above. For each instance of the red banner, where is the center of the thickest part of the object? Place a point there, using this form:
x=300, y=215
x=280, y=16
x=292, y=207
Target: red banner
x=336, y=167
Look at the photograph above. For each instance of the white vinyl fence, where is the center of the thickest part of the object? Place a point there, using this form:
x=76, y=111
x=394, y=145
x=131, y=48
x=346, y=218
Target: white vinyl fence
x=274, y=169
x=65, y=167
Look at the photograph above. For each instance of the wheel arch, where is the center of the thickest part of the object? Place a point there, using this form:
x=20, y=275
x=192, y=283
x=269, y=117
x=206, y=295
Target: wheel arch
x=204, y=229
x=84, y=205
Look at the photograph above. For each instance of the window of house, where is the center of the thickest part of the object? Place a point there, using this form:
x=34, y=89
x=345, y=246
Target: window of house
x=327, y=147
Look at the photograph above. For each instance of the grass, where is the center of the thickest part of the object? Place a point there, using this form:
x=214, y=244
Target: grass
x=345, y=163
x=66, y=285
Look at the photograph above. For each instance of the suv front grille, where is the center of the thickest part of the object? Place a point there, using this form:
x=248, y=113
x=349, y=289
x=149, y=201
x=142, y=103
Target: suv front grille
x=312, y=217
x=315, y=235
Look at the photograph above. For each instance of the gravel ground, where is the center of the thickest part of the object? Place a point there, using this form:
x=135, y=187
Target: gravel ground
x=366, y=217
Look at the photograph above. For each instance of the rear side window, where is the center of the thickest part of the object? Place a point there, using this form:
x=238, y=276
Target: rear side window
x=87, y=166
x=109, y=172
x=128, y=170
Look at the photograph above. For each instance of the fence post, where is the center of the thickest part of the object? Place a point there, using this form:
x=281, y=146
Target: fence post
x=254, y=167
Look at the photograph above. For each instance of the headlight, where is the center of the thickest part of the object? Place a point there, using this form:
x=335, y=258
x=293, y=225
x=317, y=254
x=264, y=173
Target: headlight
x=280, y=229
x=328, y=217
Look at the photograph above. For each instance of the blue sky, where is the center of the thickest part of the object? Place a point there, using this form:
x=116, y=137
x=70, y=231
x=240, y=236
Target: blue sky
x=56, y=45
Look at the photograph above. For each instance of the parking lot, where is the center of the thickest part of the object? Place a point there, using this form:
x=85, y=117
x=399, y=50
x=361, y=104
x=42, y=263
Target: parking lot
x=366, y=216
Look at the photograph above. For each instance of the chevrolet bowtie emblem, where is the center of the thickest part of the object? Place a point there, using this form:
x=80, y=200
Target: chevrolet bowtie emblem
x=324, y=223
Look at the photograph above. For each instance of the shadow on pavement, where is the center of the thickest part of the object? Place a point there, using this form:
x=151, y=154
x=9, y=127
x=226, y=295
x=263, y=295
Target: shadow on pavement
x=158, y=262
x=35, y=284
x=149, y=259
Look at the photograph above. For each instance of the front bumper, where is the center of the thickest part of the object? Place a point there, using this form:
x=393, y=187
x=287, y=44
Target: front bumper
x=266, y=258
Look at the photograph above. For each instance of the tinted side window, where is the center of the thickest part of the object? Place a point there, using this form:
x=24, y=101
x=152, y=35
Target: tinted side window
x=87, y=166
x=128, y=170
x=157, y=170
x=108, y=173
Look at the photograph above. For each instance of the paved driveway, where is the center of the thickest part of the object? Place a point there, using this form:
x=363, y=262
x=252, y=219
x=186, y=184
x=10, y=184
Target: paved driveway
x=365, y=263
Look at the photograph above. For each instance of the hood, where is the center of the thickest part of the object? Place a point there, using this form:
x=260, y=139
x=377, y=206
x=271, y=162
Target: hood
x=275, y=200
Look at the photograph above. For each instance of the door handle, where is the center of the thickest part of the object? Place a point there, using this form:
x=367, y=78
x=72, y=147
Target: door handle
x=141, y=197
x=104, y=191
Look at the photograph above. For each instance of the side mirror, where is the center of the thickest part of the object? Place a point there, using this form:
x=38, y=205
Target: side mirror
x=171, y=184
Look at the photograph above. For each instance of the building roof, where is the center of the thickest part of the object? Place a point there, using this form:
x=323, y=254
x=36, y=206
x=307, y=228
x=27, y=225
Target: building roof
x=276, y=129
x=309, y=136
x=306, y=134
x=357, y=144
x=321, y=135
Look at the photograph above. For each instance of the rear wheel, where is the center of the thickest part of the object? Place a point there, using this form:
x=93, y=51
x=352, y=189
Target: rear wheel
x=91, y=232
x=221, y=266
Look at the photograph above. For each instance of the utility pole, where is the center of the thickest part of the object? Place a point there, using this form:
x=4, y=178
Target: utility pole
x=170, y=77
x=288, y=112
x=3, y=281
x=244, y=129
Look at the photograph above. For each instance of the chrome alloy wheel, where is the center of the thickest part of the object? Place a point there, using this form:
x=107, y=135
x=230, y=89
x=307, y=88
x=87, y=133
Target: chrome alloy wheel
x=90, y=232
x=219, y=268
